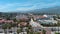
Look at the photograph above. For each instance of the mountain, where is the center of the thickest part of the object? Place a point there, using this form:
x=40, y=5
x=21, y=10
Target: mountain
x=51, y=10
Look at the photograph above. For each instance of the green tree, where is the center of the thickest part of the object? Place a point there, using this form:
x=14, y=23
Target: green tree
x=44, y=32
x=57, y=33
x=14, y=19
x=54, y=17
x=13, y=24
x=29, y=28
x=18, y=31
x=6, y=26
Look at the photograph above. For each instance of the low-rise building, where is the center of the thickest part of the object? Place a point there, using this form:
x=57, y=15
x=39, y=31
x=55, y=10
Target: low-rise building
x=47, y=20
x=35, y=25
x=22, y=18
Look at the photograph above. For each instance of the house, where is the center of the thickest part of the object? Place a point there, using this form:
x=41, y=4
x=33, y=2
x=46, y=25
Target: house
x=23, y=23
x=3, y=21
x=22, y=18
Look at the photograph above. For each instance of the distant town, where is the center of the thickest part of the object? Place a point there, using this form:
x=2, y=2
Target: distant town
x=15, y=23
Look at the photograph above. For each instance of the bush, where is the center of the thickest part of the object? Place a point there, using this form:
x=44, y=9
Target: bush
x=57, y=33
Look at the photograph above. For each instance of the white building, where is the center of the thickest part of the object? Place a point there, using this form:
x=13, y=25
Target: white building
x=47, y=20
x=35, y=25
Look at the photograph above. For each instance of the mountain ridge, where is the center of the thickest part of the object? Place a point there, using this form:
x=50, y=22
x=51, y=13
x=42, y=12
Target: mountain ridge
x=51, y=10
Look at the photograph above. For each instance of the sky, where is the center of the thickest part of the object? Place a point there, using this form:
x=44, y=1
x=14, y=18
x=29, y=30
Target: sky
x=26, y=5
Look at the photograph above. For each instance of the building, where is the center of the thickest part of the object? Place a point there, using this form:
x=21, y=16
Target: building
x=22, y=18
x=35, y=25
x=47, y=20
x=3, y=21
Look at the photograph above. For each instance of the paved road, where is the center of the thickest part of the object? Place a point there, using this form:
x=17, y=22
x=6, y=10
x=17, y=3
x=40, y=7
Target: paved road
x=16, y=33
x=13, y=29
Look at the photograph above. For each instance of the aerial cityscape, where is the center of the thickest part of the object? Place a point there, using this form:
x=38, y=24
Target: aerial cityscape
x=29, y=16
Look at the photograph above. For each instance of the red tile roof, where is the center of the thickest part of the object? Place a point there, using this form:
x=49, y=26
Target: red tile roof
x=1, y=21
x=39, y=17
x=23, y=23
x=5, y=21
x=48, y=31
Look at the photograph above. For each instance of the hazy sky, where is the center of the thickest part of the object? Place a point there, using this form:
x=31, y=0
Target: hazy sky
x=25, y=5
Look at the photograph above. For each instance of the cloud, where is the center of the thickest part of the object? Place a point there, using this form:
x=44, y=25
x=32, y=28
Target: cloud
x=31, y=5
x=39, y=6
x=8, y=7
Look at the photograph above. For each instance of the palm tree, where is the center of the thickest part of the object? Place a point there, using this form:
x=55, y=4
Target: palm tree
x=19, y=28
x=7, y=17
x=15, y=24
x=6, y=26
x=58, y=24
x=18, y=31
x=29, y=28
x=44, y=32
x=14, y=19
